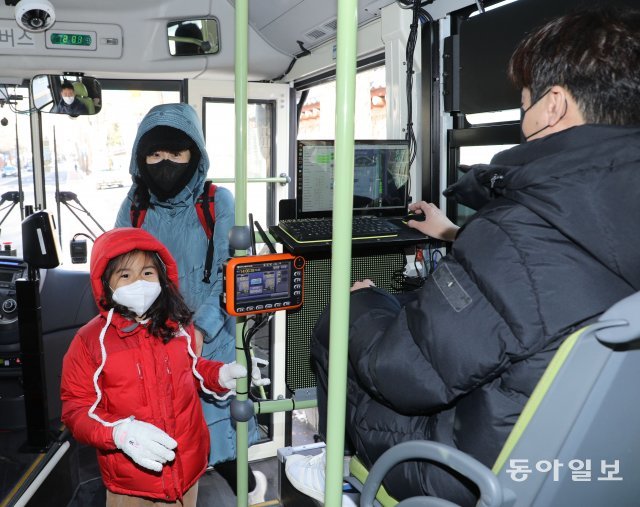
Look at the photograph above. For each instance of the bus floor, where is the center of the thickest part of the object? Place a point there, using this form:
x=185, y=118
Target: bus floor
x=212, y=488
x=75, y=480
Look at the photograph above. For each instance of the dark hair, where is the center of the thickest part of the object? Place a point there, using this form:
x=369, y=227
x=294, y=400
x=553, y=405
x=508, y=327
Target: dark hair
x=192, y=31
x=594, y=54
x=168, y=310
x=68, y=85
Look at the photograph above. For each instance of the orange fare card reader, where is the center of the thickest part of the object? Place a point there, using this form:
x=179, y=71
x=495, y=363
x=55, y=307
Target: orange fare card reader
x=262, y=283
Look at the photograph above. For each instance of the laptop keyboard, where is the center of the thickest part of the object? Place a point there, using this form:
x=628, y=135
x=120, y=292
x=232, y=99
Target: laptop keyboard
x=310, y=230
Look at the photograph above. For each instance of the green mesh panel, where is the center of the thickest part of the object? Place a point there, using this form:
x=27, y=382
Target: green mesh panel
x=317, y=275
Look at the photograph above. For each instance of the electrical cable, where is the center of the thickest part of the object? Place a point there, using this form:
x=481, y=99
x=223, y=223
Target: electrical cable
x=83, y=234
x=419, y=15
x=11, y=101
x=304, y=52
x=434, y=260
x=409, y=52
x=259, y=322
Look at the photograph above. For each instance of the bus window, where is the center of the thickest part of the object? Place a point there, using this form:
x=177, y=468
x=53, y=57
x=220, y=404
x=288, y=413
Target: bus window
x=16, y=167
x=317, y=116
x=88, y=157
x=220, y=137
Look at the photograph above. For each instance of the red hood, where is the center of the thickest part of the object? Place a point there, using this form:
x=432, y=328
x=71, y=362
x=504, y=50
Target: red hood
x=122, y=240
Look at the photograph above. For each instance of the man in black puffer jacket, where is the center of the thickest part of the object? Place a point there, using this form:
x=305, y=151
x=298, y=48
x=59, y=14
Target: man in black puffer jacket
x=554, y=243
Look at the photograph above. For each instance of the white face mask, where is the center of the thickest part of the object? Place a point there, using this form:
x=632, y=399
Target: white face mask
x=138, y=296
x=68, y=100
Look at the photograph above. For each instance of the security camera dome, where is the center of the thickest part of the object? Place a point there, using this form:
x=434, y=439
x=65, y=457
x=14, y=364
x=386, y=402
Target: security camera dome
x=35, y=15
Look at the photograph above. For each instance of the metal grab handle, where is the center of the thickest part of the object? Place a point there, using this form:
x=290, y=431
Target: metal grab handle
x=491, y=494
x=283, y=179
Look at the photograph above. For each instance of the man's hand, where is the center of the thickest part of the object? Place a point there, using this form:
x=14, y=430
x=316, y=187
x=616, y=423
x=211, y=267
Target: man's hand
x=362, y=284
x=145, y=444
x=436, y=224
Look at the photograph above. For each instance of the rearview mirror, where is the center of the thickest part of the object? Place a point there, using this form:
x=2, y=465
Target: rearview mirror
x=193, y=37
x=72, y=95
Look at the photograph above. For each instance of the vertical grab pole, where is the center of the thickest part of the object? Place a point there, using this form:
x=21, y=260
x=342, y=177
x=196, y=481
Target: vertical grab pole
x=341, y=247
x=240, y=101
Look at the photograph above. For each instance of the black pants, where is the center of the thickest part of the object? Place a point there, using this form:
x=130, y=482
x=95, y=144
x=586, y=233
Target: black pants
x=227, y=471
x=372, y=427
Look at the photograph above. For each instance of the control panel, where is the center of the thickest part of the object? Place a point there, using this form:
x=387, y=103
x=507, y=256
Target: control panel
x=262, y=283
x=10, y=270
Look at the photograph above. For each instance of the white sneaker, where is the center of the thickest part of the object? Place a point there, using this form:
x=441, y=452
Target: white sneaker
x=257, y=495
x=306, y=474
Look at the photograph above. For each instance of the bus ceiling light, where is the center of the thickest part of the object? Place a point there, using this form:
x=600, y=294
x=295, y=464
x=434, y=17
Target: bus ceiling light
x=35, y=15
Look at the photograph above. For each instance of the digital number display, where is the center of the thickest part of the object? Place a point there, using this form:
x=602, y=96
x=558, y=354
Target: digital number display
x=71, y=39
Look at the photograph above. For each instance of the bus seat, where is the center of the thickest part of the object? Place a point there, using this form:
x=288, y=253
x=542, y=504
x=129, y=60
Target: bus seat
x=574, y=442
x=66, y=303
x=83, y=96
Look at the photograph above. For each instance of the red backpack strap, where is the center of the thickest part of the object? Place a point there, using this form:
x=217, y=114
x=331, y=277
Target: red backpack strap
x=137, y=214
x=205, y=207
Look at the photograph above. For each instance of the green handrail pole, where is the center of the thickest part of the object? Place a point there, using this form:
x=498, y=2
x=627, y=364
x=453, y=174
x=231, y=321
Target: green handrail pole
x=287, y=405
x=341, y=247
x=240, y=101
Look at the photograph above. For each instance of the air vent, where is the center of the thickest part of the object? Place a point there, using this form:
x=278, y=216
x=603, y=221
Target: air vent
x=331, y=26
x=315, y=34
x=324, y=30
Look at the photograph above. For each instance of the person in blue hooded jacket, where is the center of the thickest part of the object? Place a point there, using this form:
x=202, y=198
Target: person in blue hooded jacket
x=169, y=166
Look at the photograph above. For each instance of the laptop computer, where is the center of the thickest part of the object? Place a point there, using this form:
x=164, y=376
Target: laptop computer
x=380, y=190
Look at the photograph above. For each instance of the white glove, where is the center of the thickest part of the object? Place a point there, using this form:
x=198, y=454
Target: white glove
x=228, y=373
x=145, y=444
x=256, y=375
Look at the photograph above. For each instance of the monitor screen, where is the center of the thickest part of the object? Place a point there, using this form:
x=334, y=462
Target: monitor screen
x=264, y=282
x=380, y=178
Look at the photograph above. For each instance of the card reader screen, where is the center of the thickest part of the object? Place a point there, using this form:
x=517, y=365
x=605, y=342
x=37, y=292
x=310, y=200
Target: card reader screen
x=263, y=282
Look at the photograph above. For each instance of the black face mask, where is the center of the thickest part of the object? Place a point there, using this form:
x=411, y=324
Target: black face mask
x=523, y=111
x=166, y=178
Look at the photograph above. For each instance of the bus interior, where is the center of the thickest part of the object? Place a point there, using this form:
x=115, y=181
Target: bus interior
x=428, y=76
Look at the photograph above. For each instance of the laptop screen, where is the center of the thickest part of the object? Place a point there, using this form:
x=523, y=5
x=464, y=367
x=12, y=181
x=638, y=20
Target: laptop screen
x=380, y=178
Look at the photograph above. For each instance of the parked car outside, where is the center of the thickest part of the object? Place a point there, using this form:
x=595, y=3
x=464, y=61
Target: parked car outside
x=110, y=178
x=9, y=170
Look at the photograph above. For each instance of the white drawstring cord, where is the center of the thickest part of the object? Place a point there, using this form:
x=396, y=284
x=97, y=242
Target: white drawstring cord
x=98, y=371
x=195, y=372
x=103, y=352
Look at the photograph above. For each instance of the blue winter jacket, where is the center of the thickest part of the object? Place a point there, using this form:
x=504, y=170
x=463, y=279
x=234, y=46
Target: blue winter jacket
x=175, y=223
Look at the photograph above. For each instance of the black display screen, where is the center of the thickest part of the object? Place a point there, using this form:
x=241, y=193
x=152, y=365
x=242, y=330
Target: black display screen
x=263, y=282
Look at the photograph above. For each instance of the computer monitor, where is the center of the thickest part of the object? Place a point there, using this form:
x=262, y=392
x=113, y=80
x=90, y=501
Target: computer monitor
x=381, y=178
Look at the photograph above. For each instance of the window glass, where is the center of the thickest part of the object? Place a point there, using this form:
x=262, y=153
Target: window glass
x=220, y=135
x=16, y=168
x=86, y=162
x=470, y=155
x=508, y=115
x=318, y=120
